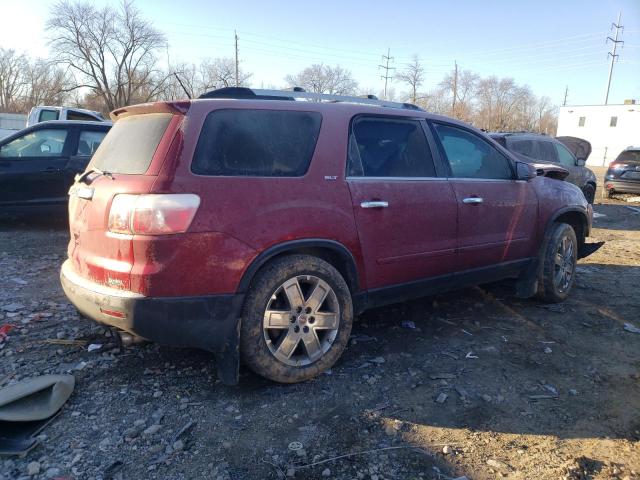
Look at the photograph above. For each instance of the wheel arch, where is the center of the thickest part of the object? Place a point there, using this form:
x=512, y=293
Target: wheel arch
x=573, y=216
x=329, y=250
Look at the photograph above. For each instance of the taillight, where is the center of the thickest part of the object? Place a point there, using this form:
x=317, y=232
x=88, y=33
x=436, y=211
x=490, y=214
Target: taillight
x=152, y=214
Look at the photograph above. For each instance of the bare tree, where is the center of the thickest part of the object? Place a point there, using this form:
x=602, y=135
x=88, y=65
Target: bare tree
x=319, y=78
x=12, y=79
x=46, y=84
x=221, y=72
x=464, y=89
x=413, y=76
x=113, y=50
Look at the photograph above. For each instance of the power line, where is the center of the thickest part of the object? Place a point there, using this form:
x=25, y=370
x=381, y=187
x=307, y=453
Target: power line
x=386, y=58
x=613, y=55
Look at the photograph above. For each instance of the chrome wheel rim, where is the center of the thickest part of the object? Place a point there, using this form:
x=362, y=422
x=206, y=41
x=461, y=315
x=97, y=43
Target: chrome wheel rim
x=564, y=264
x=301, y=320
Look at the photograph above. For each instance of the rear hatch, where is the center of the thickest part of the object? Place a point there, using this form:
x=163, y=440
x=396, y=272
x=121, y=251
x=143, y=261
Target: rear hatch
x=626, y=166
x=127, y=162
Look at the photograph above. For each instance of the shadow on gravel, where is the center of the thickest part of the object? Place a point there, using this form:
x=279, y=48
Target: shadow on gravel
x=35, y=222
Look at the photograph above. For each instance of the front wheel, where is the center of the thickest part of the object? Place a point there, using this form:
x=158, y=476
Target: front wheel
x=558, y=264
x=296, y=319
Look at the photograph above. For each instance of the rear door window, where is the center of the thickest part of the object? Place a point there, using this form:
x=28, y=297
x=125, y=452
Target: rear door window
x=131, y=143
x=547, y=152
x=75, y=115
x=260, y=143
x=387, y=147
x=88, y=142
x=524, y=147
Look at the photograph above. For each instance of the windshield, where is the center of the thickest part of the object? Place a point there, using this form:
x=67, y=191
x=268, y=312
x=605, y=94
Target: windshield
x=130, y=144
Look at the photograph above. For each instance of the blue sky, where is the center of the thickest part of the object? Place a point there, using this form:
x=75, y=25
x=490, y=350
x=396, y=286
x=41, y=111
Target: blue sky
x=544, y=44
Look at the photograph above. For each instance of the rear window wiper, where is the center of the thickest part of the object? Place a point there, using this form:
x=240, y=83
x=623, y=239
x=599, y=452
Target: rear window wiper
x=83, y=176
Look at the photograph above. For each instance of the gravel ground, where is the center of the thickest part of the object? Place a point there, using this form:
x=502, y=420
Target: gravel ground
x=474, y=383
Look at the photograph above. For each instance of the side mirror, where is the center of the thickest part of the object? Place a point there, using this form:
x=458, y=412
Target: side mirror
x=580, y=162
x=524, y=171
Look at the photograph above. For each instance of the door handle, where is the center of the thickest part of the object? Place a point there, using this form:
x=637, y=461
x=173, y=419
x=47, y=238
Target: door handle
x=472, y=200
x=375, y=204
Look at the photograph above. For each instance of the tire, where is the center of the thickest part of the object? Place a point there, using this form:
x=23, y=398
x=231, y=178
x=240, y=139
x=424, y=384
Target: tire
x=281, y=337
x=610, y=193
x=589, y=193
x=559, y=260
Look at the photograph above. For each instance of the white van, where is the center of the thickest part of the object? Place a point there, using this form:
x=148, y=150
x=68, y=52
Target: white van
x=43, y=113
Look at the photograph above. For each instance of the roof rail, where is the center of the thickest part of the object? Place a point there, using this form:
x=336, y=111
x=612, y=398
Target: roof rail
x=299, y=94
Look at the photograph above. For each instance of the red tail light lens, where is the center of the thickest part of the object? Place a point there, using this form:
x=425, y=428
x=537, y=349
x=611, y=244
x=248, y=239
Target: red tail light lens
x=153, y=214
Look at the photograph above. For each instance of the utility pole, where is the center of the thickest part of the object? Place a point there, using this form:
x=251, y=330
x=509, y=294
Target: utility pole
x=455, y=88
x=235, y=34
x=566, y=93
x=386, y=58
x=613, y=54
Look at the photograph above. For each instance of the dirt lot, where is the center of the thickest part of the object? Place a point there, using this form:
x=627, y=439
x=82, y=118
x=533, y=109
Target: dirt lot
x=484, y=386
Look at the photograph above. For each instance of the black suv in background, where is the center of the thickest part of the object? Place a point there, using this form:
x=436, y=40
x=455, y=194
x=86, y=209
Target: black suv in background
x=623, y=174
x=571, y=153
x=38, y=164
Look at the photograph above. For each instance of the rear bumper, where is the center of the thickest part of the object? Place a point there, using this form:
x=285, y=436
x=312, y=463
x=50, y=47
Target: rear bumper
x=631, y=186
x=208, y=322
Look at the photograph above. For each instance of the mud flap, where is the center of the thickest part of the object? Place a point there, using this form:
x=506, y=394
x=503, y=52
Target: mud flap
x=527, y=284
x=228, y=361
x=587, y=249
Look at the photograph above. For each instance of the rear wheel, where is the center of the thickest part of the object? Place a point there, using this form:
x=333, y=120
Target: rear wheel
x=589, y=193
x=610, y=193
x=558, y=264
x=296, y=319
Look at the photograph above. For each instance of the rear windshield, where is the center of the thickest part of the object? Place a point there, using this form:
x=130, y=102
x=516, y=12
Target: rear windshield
x=629, y=156
x=262, y=143
x=130, y=144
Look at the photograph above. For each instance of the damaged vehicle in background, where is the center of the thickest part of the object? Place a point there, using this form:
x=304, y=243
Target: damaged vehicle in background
x=257, y=224
x=569, y=152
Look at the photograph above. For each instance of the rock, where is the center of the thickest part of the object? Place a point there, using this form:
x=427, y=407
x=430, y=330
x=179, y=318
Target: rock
x=153, y=429
x=499, y=466
x=548, y=350
x=377, y=360
x=157, y=394
x=291, y=472
x=326, y=472
x=442, y=397
x=226, y=444
x=447, y=450
x=33, y=468
x=139, y=423
x=573, y=392
x=486, y=398
x=389, y=430
x=12, y=307
x=178, y=445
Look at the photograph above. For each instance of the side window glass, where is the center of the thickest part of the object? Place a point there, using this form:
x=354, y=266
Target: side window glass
x=46, y=115
x=41, y=143
x=259, y=143
x=389, y=147
x=470, y=156
x=89, y=142
x=73, y=115
x=564, y=156
x=524, y=147
x=547, y=152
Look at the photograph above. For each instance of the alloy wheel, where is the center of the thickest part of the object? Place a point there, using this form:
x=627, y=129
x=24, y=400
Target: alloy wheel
x=564, y=264
x=301, y=320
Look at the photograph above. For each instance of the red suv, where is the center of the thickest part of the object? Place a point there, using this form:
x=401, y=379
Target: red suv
x=255, y=225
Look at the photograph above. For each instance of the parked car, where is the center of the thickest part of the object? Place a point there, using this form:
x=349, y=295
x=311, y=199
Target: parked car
x=38, y=163
x=623, y=174
x=570, y=152
x=258, y=227
x=45, y=114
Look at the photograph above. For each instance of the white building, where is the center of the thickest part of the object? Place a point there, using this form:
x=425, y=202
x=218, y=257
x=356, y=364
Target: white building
x=609, y=128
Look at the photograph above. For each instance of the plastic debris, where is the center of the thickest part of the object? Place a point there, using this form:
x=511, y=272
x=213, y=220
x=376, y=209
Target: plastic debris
x=629, y=327
x=93, y=347
x=5, y=329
